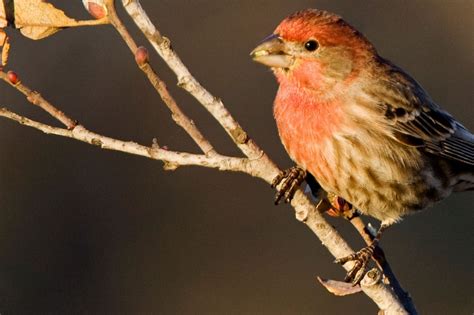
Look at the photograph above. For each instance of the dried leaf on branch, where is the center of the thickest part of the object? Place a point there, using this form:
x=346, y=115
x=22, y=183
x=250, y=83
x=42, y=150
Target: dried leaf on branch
x=37, y=19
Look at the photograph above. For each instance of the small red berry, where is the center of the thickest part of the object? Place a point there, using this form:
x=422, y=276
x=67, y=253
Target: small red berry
x=12, y=77
x=141, y=55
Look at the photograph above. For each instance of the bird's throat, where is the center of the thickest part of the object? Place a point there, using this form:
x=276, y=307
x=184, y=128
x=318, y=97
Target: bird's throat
x=306, y=111
x=306, y=123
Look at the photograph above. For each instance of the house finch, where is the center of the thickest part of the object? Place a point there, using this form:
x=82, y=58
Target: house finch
x=359, y=124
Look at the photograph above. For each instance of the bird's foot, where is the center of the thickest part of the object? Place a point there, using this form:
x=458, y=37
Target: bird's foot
x=361, y=259
x=340, y=207
x=290, y=180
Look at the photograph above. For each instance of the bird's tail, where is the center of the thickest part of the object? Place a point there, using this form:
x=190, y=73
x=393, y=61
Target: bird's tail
x=465, y=182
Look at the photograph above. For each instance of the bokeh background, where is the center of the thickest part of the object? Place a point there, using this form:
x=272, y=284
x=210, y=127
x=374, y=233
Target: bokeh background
x=83, y=230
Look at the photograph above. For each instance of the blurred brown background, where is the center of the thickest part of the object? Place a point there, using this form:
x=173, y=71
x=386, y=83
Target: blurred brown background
x=84, y=230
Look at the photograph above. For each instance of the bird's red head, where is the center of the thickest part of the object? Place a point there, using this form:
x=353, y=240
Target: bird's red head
x=326, y=28
x=316, y=49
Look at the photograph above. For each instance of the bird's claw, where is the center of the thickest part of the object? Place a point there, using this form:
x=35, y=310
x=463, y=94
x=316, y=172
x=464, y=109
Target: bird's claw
x=361, y=259
x=290, y=180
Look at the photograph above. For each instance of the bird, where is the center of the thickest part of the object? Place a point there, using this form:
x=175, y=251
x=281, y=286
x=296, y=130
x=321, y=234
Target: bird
x=360, y=125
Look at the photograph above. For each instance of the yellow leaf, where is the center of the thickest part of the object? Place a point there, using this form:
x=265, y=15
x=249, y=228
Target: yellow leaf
x=3, y=16
x=38, y=19
x=38, y=32
x=5, y=49
x=3, y=37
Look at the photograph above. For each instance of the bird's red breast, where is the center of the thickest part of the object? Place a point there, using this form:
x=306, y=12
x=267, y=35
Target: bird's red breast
x=306, y=125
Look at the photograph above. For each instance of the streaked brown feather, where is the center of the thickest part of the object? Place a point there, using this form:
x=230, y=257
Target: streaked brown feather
x=419, y=122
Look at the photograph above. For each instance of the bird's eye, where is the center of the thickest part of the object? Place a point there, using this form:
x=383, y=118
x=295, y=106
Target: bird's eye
x=311, y=45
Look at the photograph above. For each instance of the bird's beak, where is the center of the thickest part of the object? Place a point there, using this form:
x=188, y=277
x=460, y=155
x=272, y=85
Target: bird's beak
x=271, y=52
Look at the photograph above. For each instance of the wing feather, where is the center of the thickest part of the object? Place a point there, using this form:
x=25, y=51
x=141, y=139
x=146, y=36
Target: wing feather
x=416, y=120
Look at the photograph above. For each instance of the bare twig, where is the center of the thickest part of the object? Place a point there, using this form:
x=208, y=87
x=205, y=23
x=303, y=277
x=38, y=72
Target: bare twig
x=35, y=98
x=185, y=80
x=172, y=159
x=177, y=114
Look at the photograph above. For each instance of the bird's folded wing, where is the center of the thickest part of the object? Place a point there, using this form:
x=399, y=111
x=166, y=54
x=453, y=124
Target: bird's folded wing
x=430, y=128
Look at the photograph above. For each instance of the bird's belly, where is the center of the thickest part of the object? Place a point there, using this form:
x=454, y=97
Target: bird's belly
x=375, y=181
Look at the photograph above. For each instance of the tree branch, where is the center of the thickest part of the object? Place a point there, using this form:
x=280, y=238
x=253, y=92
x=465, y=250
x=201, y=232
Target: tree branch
x=171, y=159
x=36, y=99
x=374, y=288
x=213, y=104
x=176, y=113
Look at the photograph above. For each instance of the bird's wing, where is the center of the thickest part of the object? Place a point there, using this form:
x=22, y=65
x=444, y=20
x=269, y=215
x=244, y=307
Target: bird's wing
x=417, y=121
x=433, y=130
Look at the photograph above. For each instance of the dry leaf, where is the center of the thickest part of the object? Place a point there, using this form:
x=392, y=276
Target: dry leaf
x=37, y=19
x=3, y=16
x=3, y=37
x=6, y=48
x=339, y=288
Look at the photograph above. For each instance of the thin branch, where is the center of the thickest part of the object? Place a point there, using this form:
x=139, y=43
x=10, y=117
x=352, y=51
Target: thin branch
x=36, y=99
x=185, y=80
x=177, y=114
x=96, y=22
x=172, y=159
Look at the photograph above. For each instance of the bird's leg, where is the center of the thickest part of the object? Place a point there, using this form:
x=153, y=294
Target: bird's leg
x=361, y=258
x=290, y=180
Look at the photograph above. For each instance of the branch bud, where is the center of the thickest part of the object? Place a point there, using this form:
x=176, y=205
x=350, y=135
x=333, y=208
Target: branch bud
x=12, y=77
x=141, y=55
x=96, y=8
